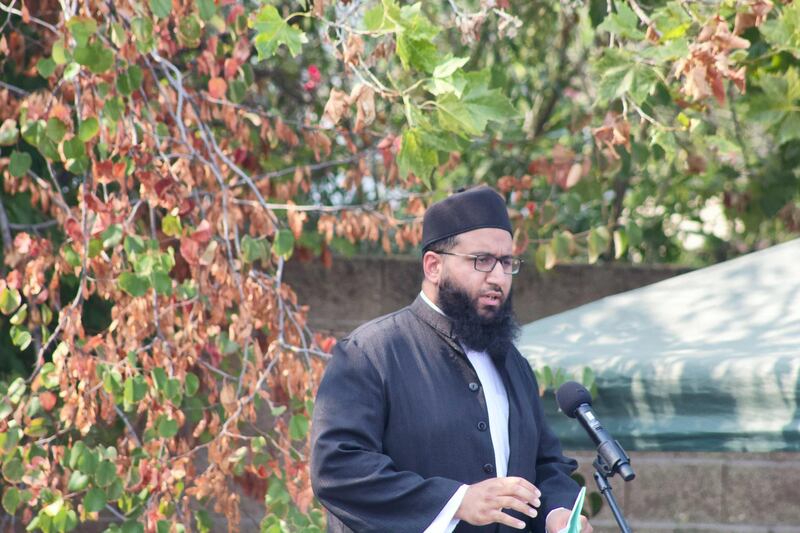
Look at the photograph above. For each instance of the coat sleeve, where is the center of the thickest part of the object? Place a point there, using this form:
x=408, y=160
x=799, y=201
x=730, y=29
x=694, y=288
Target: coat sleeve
x=350, y=474
x=553, y=469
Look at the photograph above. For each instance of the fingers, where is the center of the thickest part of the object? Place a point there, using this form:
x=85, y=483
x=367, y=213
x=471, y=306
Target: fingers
x=521, y=489
x=499, y=517
x=508, y=502
x=586, y=527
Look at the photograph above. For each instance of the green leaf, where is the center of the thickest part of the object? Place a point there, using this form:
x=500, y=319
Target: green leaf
x=189, y=31
x=192, y=384
x=130, y=80
x=60, y=52
x=46, y=66
x=9, y=133
x=167, y=428
x=142, y=29
x=477, y=105
x=207, y=9
x=112, y=236
x=620, y=243
x=88, y=129
x=272, y=31
x=160, y=378
x=418, y=53
x=161, y=8
x=10, y=299
x=298, y=427
x=635, y=235
x=254, y=249
x=105, y=474
x=71, y=70
x=114, y=108
x=789, y=129
x=13, y=470
x=283, y=245
x=562, y=245
x=20, y=316
x=599, y=240
x=77, y=481
x=162, y=283
x=134, y=284
x=134, y=245
x=135, y=391
x=11, y=500
x=416, y=156
x=96, y=57
x=20, y=337
x=72, y=257
x=19, y=164
x=171, y=225
x=623, y=23
x=81, y=29
x=448, y=67
x=95, y=500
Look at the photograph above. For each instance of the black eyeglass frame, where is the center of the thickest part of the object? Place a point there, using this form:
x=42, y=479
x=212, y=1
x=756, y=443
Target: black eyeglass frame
x=515, y=261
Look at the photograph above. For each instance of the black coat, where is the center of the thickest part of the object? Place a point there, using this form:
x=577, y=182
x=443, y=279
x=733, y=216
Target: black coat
x=396, y=428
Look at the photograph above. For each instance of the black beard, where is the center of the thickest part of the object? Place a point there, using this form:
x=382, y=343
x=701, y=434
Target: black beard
x=493, y=334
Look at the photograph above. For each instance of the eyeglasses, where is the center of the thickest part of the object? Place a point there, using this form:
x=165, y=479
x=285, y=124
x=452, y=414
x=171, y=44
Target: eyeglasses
x=487, y=262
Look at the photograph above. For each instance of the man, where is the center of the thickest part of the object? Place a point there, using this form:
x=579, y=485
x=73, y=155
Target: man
x=428, y=419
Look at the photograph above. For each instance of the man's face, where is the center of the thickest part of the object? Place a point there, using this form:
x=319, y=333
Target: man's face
x=487, y=290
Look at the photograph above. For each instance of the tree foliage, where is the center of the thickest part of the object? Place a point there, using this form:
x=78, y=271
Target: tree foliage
x=163, y=159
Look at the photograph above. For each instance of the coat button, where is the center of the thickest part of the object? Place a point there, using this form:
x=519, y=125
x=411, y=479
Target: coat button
x=488, y=468
x=474, y=387
x=482, y=426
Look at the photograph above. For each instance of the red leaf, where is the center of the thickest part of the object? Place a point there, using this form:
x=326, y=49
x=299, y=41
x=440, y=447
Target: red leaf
x=73, y=229
x=22, y=243
x=190, y=250
x=231, y=69
x=187, y=204
x=203, y=232
x=48, y=400
x=163, y=185
x=217, y=88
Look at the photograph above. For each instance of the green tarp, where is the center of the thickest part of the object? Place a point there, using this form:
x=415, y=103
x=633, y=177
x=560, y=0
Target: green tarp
x=705, y=361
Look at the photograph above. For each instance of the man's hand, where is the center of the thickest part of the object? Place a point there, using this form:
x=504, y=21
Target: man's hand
x=559, y=518
x=484, y=501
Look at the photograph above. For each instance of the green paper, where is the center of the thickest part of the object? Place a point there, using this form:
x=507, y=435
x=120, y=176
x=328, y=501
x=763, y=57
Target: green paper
x=574, y=524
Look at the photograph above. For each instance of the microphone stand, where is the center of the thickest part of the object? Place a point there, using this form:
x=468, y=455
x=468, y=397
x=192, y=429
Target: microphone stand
x=602, y=472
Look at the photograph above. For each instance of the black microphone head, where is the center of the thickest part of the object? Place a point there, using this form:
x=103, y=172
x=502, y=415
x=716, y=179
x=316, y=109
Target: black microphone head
x=572, y=395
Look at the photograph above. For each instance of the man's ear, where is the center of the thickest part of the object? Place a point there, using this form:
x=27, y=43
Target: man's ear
x=432, y=267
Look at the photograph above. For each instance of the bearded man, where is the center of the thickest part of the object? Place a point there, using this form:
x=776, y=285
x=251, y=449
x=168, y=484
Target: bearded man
x=428, y=419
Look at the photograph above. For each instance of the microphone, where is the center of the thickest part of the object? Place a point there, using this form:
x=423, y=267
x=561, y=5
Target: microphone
x=576, y=402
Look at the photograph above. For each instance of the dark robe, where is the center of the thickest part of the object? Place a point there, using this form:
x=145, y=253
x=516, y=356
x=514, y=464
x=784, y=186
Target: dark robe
x=400, y=422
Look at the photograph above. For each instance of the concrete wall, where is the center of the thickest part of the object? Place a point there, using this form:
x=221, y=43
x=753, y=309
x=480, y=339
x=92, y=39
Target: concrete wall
x=704, y=492
x=359, y=289
x=673, y=492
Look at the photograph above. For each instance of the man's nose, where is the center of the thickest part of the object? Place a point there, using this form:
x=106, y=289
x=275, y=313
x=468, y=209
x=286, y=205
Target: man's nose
x=496, y=274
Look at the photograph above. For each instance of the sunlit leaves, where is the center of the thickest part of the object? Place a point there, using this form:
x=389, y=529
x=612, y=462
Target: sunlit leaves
x=283, y=243
x=95, y=56
x=161, y=8
x=272, y=31
x=416, y=156
x=477, y=105
x=623, y=23
x=10, y=300
x=88, y=129
x=82, y=28
x=9, y=132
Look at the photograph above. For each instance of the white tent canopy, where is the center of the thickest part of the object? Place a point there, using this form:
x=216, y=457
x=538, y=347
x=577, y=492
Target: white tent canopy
x=708, y=360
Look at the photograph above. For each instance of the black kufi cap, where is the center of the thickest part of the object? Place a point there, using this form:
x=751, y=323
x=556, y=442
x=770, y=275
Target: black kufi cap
x=476, y=208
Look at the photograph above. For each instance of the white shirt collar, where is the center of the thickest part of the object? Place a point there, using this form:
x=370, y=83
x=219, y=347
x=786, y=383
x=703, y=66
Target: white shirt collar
x=429, y=302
